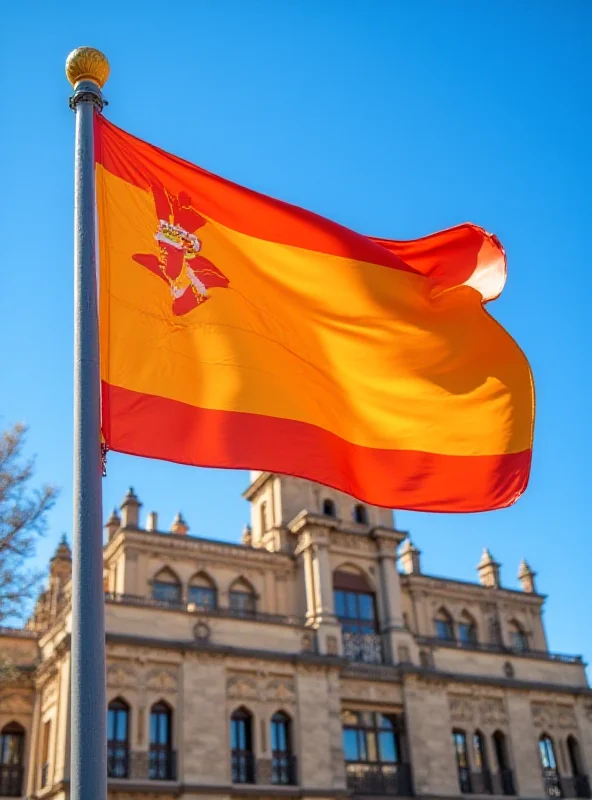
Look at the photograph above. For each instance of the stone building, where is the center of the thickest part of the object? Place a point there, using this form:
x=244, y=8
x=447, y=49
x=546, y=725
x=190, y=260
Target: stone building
x=313, y=660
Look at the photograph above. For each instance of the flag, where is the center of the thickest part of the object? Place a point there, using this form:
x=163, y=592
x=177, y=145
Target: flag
x=239, y=331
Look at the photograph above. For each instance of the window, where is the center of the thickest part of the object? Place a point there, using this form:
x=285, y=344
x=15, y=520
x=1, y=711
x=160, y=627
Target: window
x=369, y=736
x=443, y=626
x=166, y=587
x=241, y=724
x=282, y=771
x=481, y=775
x=117, y=739
x=549, y=765
x=462, y=761
x=329, y=508
x=575, y=759
x=503, y=766
x=356, y=610
x=161, y=766
x=45, y=753
x=202, y=591
x=12, y=750
x=518, y=638
x=242, y=598
x=361, y=514
x=467, y=630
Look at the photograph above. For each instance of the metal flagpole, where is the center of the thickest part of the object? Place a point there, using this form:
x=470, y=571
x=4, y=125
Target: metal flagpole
x=87, y=70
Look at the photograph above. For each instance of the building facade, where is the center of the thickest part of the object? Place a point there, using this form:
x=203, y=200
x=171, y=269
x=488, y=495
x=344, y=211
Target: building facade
x=313, y=660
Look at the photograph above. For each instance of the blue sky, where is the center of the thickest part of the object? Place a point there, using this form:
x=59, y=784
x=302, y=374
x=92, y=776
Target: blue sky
x=394, y=118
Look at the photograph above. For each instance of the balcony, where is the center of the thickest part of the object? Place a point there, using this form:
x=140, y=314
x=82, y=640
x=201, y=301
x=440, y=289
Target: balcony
x=283, y=771
x=243, y=767
x=485, y=782
x=11, y=780
x=363, y=647
x=499, y=648
x=162, y=764
x=117, y=761
x=364, y=778
x=558, y=786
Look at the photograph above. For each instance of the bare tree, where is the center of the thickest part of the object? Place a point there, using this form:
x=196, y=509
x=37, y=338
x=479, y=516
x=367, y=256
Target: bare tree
x=23, y=515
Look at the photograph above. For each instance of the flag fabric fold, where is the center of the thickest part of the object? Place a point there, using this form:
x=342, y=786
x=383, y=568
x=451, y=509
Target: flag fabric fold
x=239, y=331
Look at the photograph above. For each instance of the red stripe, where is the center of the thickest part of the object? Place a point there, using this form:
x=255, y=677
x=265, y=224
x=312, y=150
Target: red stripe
x=155, y=427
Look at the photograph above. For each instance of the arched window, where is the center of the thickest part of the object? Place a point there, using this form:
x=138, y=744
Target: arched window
x=502, y=764
x=575, y=758
x=12, y=752
x=241, y=745
x=481, y=774
x=161, y=766
x=549, y=765
x=282, y=765
x=355, y=608
x=467, y=630
x=361, y=514
x=329, y=508
x=518, y=637
x=459, y=739
x=369, y=738
x=444, y=626
x=118, y=739
x=166, y=587
x=242, y=598
x=202, y=591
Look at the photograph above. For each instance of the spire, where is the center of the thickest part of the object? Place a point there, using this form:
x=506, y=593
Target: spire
x=247, y=535
x=130, y=510
x=63, y=552
x=113, y=524
x=179, y=525
x=410, y=558
x=489, y=570
x=526, y=577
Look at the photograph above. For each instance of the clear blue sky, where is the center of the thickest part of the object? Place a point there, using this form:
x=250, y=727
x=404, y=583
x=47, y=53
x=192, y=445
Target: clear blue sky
x=394, y=118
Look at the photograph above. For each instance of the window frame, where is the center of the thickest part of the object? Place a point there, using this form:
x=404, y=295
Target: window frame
x=242, y=758
x=282, y=771
x=459, y=736
x=365, y=733
x=119, y=747
x=160, y=754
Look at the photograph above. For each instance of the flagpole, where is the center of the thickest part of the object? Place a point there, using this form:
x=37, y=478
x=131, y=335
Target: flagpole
x=87, y=70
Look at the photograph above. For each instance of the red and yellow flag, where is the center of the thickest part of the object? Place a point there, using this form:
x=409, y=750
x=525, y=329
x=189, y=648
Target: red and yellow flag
x=239, y=331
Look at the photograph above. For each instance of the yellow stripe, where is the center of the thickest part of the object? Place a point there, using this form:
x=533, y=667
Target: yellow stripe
x=357, y=349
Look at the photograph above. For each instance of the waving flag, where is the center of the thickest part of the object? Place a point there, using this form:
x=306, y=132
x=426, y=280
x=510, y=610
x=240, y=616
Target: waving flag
x=240, y=331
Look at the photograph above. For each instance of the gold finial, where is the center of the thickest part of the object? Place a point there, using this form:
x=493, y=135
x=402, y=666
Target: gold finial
x=87, y=64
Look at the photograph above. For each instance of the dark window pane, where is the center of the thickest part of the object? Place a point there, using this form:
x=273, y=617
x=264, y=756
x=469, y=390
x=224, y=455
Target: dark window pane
x=202, y=596
x=351, y=605
x=166, y=591
x=340, y=603
x=366, y=602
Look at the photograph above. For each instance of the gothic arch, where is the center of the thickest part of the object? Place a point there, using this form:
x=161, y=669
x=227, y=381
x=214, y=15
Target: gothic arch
x=362, y=580
x=242, y=584
x=203, y=578
x=166, y=574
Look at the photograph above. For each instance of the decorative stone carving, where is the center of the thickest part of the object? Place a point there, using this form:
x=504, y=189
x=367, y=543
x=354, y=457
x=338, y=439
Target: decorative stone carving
x=49, y=694
x=332, y=645
x=201, y=631
x=162, y=680
x=307, y=642
x=352, y=541
x=242, y=687
x=461, y=709
x=281, y=689
x=566, y=717
x=493, y=712
x=542, y=715
x=16, y=702
x=121, y=675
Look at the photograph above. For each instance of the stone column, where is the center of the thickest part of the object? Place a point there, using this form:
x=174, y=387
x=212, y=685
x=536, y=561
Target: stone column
x=323, y=580
x=398, y=642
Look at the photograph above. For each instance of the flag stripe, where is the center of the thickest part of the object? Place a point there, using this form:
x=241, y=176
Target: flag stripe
x=457, y=252
x=156, y=427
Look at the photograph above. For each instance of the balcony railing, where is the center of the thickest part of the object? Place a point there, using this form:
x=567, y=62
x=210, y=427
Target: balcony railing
x=364, y=647
x=503, y=782
x=486, y=782
x=243, y=767
x=364, y=778
x=117, y=760
x=11, y=780
x=283, y=771
x=178, y=605
x=162, y=765
x=577, y=786
x=499, y=648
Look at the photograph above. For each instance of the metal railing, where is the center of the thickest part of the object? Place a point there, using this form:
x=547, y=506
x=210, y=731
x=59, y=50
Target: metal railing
x=11, y=780
x=560, y=786
x=192, y=608
x=243, y=767
x=117, y=760
x=162, y=764
x=283, y=770
x=364, y=647
x=390, y=779
x=499, y=648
